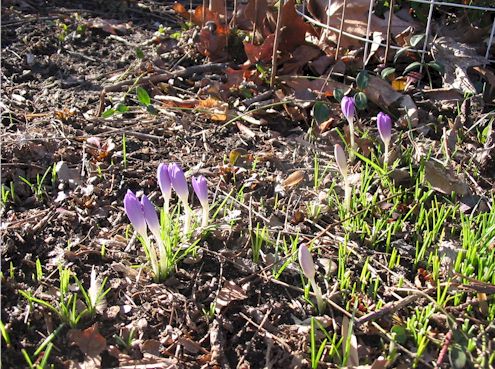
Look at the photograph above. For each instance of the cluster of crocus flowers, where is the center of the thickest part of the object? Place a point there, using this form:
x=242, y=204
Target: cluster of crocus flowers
x=348, y=106
x=384, y=124
x=143, y=216
x=341, y=161
x=308, y=269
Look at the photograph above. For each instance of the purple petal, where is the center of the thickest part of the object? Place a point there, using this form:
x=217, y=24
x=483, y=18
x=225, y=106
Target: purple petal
x=164, y=181
x=306, y=262
x=150, y=215
x=178, y=180
x=348, y=107
x=135, y=213
x=341, y=159
x=200, y=187
x=384, y=123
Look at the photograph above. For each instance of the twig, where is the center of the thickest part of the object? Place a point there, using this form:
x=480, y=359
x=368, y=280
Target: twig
x=389, y=26
x=342, y=20
x=276, y=42
x=391, y=307
x=159, y=77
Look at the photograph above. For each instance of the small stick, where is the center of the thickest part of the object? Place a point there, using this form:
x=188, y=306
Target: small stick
x=341, y=29
x=276, y=42
x=256, y=19
x=389, y=26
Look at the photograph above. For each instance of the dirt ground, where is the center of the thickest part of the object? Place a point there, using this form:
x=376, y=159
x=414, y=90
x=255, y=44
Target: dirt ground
x=57, y=57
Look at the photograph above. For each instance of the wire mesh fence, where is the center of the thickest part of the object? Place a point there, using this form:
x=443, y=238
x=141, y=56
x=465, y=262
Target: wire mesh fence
x=424, y=48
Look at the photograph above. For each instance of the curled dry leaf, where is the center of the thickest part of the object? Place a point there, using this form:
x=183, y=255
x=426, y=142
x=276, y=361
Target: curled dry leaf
x=382, y=94
x=293, y=179
x=229, y=292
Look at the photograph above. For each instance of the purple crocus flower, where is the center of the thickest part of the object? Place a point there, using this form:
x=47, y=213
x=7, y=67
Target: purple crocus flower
x=348, y=106
x=165, y=184
x=349, y=109
x=135, y=213
x=150, y=216
x=384, y=123
x=178, y=181
x=200, y=187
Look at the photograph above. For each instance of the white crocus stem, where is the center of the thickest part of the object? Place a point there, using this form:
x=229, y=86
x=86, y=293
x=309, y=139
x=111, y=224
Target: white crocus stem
x=205, y=214
x=319, y=297
x=353, y=143
x=187, y=220
x=386, y=153
x=347, y=194
x=152, y=255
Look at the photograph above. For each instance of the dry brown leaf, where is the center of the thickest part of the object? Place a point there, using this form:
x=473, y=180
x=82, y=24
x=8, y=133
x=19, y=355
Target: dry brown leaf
x=245, y=131
x=456, y=58
x=443, y=180
x=191, y=346
x=151, y=347
x=293, y=179
x=251, y=15
x=299, y=58
x=112, y=26
x=229, y=292
x=181, y=10
x=88, y=363
x=306, y=89
x=382, y=94
x=263, y=52
x=356, y=20
x=212, y=41
x=293, y=28
x=89, y=341
x=348, y=334
x=217, y=6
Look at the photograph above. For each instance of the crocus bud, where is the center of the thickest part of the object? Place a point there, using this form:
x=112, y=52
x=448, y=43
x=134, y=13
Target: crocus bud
x=306, y=262
x=178, y=181
x=341, y=160
x=164, y=183
x=200, y=187
x=135, y=213
x=348, y=108
x=150, y=216
x=308, y=268
x=384, y=123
